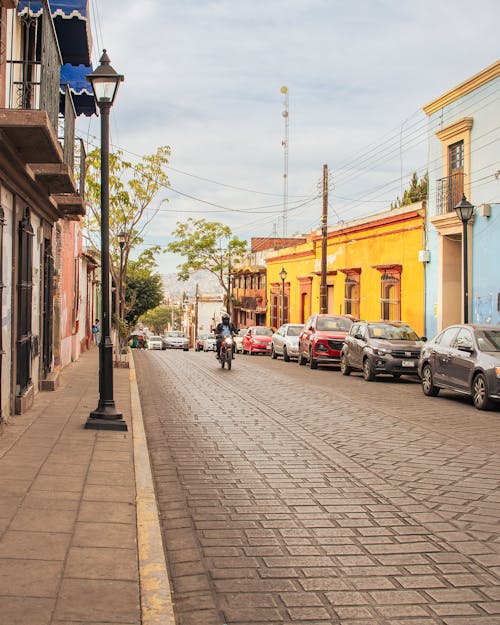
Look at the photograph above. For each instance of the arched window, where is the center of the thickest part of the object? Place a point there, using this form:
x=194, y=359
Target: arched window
x=390, y=295
x=351, y=294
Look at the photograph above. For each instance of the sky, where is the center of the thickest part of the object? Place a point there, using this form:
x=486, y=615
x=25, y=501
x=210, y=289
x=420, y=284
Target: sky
x=205, y=78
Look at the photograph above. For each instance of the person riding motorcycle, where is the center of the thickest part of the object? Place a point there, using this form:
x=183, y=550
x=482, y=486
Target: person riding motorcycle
x=225, y=328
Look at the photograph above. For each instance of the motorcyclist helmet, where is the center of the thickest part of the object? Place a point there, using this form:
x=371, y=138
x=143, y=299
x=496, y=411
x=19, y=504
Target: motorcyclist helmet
x=225, y=318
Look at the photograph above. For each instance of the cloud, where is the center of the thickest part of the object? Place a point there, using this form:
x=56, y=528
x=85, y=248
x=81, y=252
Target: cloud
x=204, y=76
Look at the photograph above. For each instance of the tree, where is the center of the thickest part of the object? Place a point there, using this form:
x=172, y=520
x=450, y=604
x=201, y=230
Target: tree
x=144, y=289
x=158, y=318
x=416, y=192
x=207, y=245
x=132, y=189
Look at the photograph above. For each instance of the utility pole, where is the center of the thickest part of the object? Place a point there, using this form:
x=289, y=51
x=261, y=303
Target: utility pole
x=284, y=143
x=324, y=232
x=196, y=299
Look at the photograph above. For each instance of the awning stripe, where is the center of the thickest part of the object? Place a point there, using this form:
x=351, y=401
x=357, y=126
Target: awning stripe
x=67, y=9
x=75, y=76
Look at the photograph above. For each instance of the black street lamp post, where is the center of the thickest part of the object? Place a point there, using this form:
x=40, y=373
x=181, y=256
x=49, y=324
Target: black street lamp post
x=283, y=275
x=105, y=82
x=122, y=236
x=465, y=210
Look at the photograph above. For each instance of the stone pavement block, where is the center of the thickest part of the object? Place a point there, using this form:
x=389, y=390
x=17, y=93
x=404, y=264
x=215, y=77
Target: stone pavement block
x=34, y=545
x=25, y=610
x=101, y=563
x=107, y=512
x=44, y=520
x=29, y=578
x=89, y=600
x=119, y=535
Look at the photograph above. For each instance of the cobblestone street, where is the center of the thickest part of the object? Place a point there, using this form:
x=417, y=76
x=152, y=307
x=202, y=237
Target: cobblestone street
x=295, y=496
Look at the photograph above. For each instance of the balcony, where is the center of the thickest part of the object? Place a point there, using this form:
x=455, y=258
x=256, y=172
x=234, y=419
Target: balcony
x=251, y=299
x=39, y=110
x=449, y=192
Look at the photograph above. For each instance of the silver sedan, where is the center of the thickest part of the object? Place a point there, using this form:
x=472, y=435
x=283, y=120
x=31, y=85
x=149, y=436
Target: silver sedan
x=285, y=341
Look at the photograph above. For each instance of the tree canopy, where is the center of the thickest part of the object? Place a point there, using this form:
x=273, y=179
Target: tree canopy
x=416, y=192
x=132, y=190
x=144, y=290
x=207, y=245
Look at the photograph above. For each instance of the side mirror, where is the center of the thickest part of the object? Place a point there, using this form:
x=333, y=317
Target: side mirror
x=359, y=336
x=465, y=348
x=423, y=338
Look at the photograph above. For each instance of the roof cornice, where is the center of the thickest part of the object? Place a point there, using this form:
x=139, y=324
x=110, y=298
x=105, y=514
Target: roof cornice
x=471, y=84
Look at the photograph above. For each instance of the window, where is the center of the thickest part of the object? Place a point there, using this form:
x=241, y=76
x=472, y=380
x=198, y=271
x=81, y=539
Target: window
x=464, y=339
x=351, y=294
x=446, y=338
x=390, y=295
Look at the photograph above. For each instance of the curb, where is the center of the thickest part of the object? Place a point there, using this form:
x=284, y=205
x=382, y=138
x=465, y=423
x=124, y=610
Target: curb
x=156, y=598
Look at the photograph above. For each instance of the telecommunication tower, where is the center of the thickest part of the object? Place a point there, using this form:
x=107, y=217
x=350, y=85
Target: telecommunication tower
x=284, y=143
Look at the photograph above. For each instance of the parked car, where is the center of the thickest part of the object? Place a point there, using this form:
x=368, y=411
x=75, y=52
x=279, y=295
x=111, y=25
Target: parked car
x=321, y=339
x=198, y=345
x=176, y=340
x=285, y=341
x=381, y=347
x=155, y=342
x=257, y=340
x=238, y=340
x=209, y=343
x=466, y=359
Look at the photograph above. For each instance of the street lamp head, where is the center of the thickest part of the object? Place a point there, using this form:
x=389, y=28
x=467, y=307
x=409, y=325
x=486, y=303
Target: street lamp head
x=283, y=274
x=464, y=209
x=122, y=237
x=105, y=81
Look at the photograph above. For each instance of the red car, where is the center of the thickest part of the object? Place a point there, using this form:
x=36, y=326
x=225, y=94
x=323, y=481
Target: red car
x=321, y=340
x=257, y=340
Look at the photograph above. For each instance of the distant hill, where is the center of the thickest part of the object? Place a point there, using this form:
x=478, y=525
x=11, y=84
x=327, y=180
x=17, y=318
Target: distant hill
x=207, y=284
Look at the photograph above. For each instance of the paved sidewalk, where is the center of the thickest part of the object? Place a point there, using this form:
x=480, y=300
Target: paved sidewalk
x=79, y=543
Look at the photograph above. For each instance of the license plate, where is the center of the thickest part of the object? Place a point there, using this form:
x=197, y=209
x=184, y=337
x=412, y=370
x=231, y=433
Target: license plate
x=407, y=363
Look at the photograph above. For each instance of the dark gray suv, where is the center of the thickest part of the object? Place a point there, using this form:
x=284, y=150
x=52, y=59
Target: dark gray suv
x=381, y=347
x=466, y=359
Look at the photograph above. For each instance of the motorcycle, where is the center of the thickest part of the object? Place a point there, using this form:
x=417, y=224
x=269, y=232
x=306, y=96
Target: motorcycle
x=226, y=352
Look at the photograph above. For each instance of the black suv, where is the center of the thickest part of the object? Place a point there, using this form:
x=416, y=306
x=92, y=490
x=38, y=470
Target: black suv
x=381, y=347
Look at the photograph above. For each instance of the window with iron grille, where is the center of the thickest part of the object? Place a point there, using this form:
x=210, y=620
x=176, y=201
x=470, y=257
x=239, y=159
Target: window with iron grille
x=390, y=295
x=351, y=295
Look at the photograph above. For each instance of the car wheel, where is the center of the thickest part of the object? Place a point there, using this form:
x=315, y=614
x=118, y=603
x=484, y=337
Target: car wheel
x=428, y=382
x=480, y=393
x=313, y=363
x=368, y=371
x=301, y=360
x=344, y=367
x=286, y=357
x=274, y=355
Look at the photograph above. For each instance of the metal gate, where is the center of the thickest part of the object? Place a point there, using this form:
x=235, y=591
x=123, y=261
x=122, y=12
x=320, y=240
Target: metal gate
x=47, y=317
x=24, y=301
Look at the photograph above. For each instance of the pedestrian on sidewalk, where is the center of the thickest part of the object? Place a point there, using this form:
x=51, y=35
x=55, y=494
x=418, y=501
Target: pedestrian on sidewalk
x=96, y=329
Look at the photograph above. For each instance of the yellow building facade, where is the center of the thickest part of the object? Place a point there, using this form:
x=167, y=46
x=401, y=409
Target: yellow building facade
x=375, y=270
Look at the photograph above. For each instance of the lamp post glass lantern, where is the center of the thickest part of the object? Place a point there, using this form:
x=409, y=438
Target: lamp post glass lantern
x=283, y=275
x=464, y=211
x=105, y=82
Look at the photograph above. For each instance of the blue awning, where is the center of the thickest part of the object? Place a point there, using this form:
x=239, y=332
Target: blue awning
x=71, y=21
x=76, y=77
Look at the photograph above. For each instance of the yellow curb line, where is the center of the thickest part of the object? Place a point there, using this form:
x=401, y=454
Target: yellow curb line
x=156, y=598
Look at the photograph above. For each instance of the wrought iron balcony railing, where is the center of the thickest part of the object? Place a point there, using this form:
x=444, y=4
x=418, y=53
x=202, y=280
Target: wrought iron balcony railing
x=449, y=192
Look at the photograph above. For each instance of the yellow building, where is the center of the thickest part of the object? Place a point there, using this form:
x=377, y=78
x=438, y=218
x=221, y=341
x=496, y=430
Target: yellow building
x=375, y=270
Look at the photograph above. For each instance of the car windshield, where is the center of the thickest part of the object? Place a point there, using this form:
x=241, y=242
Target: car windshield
x=392, y=333
x=263, y=332
x=176, y=334
x=488, y=340
x=334, y=323
x=294, y=330
x=155, y=338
